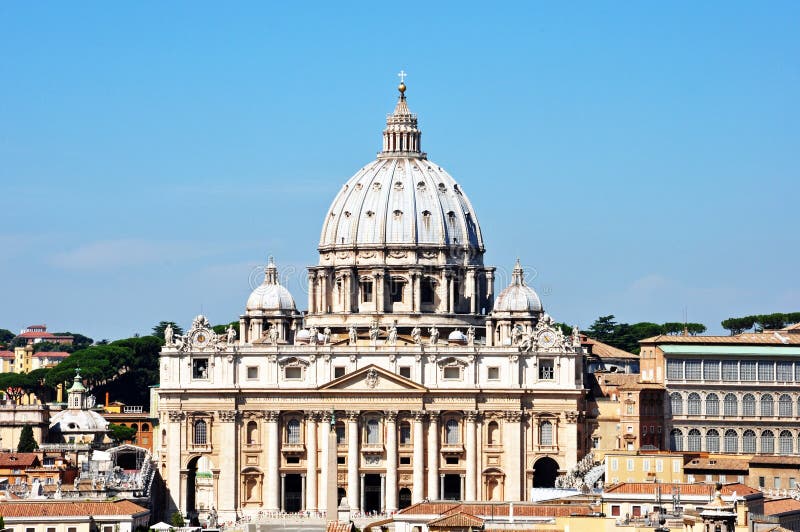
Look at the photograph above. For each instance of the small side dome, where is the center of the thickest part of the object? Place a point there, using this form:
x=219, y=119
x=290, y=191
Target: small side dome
x=457, y=337
x=518, y=297
x=270, y=296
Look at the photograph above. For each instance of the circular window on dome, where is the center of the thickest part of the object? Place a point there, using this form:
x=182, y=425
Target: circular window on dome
x=376, y=186
x=370, y=214
x=442, y=188
x=398, y=213
x=359, y=186
x=347, y=214
x=421, y=185
x=398, y=185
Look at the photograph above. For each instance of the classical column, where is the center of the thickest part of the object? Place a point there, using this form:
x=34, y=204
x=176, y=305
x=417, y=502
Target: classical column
x=380, y=283
x=361, y=489
x=472, y=288
x=303, y=485
x=272, y=479
x=417, y=493
x=323, y=292
x=441, y=485
x=472, y=451
x=512, y=444
x=383, y=492
x=433, y=456
x=391, y=461
x=311, y=296
x=353, y=498
x=451, y=308
x=325, y=420
x=311, y=461
x=228, y=455
x=243, y=339
x=416, y=296
x=177, y=491
x=283, y=492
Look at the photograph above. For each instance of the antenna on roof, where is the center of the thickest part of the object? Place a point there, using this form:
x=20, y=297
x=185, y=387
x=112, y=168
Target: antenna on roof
x=685, y=322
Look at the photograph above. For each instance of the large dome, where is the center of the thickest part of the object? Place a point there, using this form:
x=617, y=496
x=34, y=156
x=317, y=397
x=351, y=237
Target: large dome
x=401, y=198
x=403, y=201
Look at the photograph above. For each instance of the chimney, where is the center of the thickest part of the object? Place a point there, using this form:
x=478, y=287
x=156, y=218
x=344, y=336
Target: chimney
x=106, y=399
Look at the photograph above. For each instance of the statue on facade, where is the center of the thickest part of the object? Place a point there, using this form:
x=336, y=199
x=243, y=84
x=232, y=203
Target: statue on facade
x=273, y=334
x=576, y=336
x=434, y=332
x=374, y=332
x=516, y=335
x=393, y=334
x=416, y=335
x=231, y=334
x=471, y=335
x=326, y=336
x=169, y=334
x=353, y=335
x=212, y=518
x=313, y=335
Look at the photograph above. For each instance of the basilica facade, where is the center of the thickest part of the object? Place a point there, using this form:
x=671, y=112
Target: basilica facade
x=406, y=378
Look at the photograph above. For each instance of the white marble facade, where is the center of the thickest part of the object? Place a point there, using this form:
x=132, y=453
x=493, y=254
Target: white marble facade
x=434, y=389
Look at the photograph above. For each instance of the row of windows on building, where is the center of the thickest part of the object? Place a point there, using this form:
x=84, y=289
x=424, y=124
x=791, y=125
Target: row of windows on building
x=764, y=406
x=373, y=434
x=732, y=370
x=729, y=441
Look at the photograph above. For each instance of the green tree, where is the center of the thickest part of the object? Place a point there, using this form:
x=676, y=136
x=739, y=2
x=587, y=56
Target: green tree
x=27, y=443
x=223, y=329
x=738, y=325
x=158, y=330
x=695, y=328
x=6, y=336
x=120, y=433
x=15, y=385
x=672, y=327
x=177, y=519
x=2, y=522
x=603, y=328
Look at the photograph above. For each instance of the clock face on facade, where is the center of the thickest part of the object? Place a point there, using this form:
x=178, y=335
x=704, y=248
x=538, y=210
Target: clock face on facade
x=546, y=339
x=200, y=338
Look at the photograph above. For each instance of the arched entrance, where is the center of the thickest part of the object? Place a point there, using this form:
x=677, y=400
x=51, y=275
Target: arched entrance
x=190, y=504
x=200, y=495
x=545, y=471
x=404, y=498
x=372, y=493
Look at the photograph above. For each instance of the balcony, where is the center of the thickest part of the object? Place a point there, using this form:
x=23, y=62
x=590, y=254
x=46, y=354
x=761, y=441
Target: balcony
x=293, y=448
x=452, y=448
x=372, y=448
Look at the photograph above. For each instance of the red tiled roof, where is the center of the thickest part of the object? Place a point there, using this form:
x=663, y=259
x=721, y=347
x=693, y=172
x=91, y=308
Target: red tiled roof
x=601, y=350
x=6, y=354
x=458, y=519
x=68, y=509
x=339, y=526
x=36, y=334
x=649, y=488
x=51, y=354
x=781, y=506
x=497, y=509
x=18, y=460
x=764, y=338
x=426, y=508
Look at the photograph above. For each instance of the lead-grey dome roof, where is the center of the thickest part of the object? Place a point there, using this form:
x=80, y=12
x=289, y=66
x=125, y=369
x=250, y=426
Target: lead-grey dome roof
x=518, y=296
x=270, y=296
x=401, y=200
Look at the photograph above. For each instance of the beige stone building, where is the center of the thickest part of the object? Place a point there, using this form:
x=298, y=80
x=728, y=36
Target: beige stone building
x=432, y=386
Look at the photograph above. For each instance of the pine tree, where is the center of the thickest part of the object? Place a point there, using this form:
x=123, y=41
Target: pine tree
x=27, y=443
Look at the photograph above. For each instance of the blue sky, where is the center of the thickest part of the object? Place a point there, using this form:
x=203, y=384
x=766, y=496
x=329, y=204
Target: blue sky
x=640, y=158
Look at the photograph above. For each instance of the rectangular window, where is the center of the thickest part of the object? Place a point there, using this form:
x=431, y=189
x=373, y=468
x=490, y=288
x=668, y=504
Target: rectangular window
x=452, y=373
x=730, y=370
x=200, y=368
x=340, y=435
x=72, y=529
x=692, y=370
x=493, y=374
x=338, y=371
x=614, y=464
x=546, y=372
x=341, y=460
x=595, y=443
x=784, y=371
x=766, y=371
x=645, y=465
x=451, y=460
x=293, y=460
x=396, y=288
x=762, y=482
x=636, y=511
x=427, y=291
x=747, y=370
x=723, y=478
x=797, y=372
x=293, y=373
x=366, y=291
x=51, y=529
x=405, y=460
x=792, y=483
x=629, y=464
x=405, y=434
x=252, y=372
x=676, y=466
x=615, y=510
x=106, y=528
x=711, y=370
x=405, y=371
x=776, y=483
x=675, y=369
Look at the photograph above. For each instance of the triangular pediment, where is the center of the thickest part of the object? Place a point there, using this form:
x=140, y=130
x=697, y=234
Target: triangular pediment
x=373, y=378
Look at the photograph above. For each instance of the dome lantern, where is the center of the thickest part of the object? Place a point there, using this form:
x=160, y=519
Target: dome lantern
x=401, y=138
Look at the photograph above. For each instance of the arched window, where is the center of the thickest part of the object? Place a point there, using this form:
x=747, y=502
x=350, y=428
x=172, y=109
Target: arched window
x=145, y=427
x=451, y=432
x=785, y=442
x=712, y=404
x=493, y=433
x=767, y=442
x=767, y=405
x=731, y=441
x=785, y=406
x=252, y=433
x=546, y=433
x=748, y=405
x=694, y=404
x=731, y=405
x=293, y=431
x=405, y=433
x=163, y=438
x=373, y=431
x=749, y=442
x=676, y=440
x=200, y=432
x=341, y=437
x=676, y=402
x=712, y=441
x=694, y=441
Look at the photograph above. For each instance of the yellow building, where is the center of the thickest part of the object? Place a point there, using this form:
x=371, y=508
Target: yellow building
x=636, y=466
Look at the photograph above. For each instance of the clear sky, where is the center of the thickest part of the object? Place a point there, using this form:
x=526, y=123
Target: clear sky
x=641, y=158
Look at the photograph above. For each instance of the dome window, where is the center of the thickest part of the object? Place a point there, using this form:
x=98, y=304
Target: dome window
x=359, y=186
x=376, y=186
x=442, y=188
x=451, y=217
x=370, y=214
x=421, y=185
x=398, y=213
x=398, y=185
x=347, y=214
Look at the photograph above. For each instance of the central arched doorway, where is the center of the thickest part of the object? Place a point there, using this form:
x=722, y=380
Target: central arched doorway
x=545, y=471
x=372, y=493
x=191, y=487
x=404, y=498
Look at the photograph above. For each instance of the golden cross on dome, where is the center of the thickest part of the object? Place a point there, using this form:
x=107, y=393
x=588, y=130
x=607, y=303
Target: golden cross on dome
x=402, y=75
